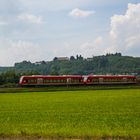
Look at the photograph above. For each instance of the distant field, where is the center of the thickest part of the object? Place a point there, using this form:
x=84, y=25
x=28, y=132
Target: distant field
x=82, y=114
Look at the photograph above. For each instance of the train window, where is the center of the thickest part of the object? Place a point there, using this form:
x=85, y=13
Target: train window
x=101, y=80
x=64, y=81
x=95, y=80
x=119, y=80
x=134, y=79
x=108, y=80
x=25, y=81
x=32, y=81
x=45, y=81
x=75, y=81
x=131, y=79
x=112, y=80
x=124, y=79
x=40, y=80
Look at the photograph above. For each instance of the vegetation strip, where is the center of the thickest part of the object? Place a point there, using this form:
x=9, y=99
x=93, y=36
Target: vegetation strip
x=68, y=88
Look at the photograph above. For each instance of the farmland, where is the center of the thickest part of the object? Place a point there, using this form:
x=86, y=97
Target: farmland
x=71, y=114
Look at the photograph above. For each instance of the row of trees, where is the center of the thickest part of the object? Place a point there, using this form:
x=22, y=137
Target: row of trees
x=109, y=64
x=11, y=78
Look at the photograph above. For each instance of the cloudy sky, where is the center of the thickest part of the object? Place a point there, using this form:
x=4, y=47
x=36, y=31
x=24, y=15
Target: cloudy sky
x=37, y=30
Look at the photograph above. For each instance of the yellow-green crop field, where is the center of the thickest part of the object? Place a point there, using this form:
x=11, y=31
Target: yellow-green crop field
x=71, y=114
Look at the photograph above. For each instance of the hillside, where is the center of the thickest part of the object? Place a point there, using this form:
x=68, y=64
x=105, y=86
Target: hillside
x=108, y=64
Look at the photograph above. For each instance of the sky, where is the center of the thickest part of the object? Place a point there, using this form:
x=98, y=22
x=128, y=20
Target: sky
x=36, y=30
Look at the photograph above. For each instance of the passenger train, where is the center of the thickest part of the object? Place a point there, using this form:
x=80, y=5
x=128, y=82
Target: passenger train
x=76, y=80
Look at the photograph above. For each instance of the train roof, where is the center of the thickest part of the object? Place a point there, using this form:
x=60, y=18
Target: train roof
x=79, y=76
x=53, y=76
x=111, y=76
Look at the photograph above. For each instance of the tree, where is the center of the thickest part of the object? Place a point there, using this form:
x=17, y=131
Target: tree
x=55, y=58
x=79, y=57
x=72, y=58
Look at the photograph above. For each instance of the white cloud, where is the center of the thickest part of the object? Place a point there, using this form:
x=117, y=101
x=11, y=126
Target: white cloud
x=17, y=51
x=124, y=35
x=92, y=44
x=80, y=13
x=91, y=48
x=125, y=30
x=30, y=18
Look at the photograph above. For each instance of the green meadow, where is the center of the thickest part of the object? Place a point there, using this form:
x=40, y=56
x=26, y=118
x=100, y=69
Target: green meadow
x=71, y=114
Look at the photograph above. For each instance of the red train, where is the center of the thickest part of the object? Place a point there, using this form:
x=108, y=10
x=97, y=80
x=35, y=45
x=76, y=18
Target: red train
x=76, y=80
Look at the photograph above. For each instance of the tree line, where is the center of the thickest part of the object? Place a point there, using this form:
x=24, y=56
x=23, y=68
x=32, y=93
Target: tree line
x=75, y=65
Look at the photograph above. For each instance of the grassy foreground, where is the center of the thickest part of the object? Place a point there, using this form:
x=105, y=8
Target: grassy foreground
x=90, y=113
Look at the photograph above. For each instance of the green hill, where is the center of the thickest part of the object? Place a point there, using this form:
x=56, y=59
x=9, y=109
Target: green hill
x=108, y=64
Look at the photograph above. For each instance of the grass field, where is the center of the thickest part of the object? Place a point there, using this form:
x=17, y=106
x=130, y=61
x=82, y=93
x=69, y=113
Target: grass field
x=80, y=114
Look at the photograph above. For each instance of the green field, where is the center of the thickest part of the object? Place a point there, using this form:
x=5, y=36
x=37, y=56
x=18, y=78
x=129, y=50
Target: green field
x=71, y=114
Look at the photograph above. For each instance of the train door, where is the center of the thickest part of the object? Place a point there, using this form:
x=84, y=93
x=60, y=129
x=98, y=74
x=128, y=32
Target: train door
x=85, y=79
x=101, y=80
x=40, y=81
x=125, y=80
x=69, y=80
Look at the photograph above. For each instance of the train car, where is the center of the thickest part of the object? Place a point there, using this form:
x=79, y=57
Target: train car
x=116, y=79
x=76, y=80
x=51, y=80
